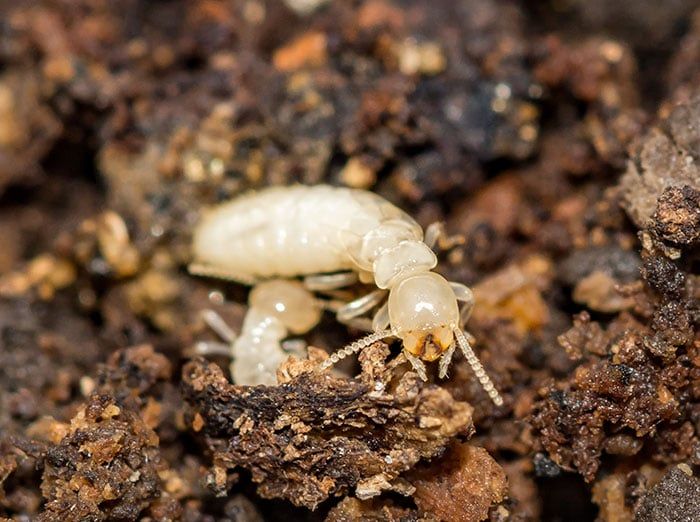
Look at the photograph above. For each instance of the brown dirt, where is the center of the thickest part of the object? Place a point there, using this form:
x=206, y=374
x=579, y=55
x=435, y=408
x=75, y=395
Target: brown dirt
x=559, y=143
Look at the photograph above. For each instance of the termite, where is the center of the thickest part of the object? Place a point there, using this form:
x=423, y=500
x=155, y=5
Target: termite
x=276, y=308
x=332, y=237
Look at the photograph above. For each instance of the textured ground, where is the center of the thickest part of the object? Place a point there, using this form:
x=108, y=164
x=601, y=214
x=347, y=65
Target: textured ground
x=558, y=141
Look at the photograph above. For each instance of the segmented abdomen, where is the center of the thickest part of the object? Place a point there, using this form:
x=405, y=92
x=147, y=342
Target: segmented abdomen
x=288, y=231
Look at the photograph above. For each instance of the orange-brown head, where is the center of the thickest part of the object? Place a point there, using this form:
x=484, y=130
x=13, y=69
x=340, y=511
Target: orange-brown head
x=423, y=312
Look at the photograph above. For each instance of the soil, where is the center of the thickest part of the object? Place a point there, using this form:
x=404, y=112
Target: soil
x=558, y=142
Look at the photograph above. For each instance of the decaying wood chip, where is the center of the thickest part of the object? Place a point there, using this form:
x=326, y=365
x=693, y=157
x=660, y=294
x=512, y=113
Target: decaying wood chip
x=318, y=435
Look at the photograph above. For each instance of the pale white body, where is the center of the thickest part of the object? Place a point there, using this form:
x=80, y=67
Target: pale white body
x=291, y=231
x=334, y=236
x=276, y=308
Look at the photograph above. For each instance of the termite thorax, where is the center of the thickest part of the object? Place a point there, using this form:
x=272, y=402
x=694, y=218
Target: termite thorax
x=407, y=258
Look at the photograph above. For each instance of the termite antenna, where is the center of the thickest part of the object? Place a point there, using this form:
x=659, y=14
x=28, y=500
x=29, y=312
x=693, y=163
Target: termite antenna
x=355, y=347
x=477, y=368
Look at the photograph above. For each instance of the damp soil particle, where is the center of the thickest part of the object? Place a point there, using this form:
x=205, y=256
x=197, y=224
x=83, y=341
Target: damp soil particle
x=677, y=215
x=673, y=498
x=461, y=485
x=666, y=158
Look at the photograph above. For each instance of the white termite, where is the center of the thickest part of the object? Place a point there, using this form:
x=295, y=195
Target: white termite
x=276, y=308
x=333, y=236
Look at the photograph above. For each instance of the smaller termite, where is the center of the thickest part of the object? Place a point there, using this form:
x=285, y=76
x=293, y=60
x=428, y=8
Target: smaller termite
x=333, y=237
x=276, y=309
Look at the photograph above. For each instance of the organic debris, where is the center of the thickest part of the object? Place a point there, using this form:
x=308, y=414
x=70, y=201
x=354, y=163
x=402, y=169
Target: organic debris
x=557, y=141
x=461, y=485
x=315, y=435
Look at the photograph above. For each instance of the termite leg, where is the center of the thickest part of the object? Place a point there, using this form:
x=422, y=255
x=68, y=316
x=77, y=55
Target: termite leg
x=217, y=323
x=381, y=318
x=324, y=282
x=219, y=326
x=354, y=309
x=465, y=296
x=418, y=365
x=436, y=235
x=433, y=233
x=212, y=348
x=335, y=305
x=445, y=360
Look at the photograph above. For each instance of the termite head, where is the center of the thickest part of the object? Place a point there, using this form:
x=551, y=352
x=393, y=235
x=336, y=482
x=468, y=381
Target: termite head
x=423, y=312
